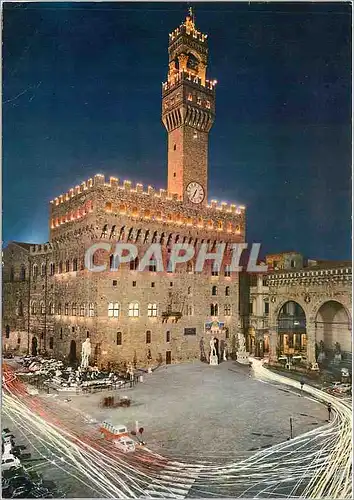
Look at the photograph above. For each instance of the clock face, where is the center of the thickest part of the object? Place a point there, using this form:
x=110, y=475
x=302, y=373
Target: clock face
x=195, y=192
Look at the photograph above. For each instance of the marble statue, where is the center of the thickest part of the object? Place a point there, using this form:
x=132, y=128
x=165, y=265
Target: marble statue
x=85, y=353
x=242, y=355
x=213, y=353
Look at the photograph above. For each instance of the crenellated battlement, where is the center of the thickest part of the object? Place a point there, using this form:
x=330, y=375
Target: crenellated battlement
x=188, y=28
x=99, y=180
x=187, y=76
x=41, y=248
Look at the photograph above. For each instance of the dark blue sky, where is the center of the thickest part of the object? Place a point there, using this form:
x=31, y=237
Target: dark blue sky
x=82, y=95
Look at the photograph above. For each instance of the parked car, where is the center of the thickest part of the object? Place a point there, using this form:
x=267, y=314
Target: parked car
x=8, y=462
x=125, y=444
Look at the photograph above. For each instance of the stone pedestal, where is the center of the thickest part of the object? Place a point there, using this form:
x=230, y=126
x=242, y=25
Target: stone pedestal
x=242, y=357
x=213, y=360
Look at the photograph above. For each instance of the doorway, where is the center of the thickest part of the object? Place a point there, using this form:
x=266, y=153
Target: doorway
x=72, y=352
x=34, y=346
x=168, y=357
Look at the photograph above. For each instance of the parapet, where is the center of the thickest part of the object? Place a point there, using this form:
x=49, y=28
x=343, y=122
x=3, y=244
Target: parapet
x=41, y=248
x=99, y=180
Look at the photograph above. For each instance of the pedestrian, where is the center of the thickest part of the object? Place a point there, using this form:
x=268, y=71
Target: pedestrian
x=302, y=383
x=329, y=408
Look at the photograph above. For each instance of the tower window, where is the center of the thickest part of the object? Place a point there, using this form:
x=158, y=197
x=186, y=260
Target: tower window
x=207, y=104
x=199, y=100
x=174, y=147
x=119, y=338
x=174, y=174
x=190, y=97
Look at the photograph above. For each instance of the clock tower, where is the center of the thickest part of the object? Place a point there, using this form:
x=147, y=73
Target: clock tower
x=188, y=109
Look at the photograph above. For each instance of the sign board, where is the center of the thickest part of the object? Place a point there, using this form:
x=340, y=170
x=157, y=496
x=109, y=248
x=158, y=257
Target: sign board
x=190, y=331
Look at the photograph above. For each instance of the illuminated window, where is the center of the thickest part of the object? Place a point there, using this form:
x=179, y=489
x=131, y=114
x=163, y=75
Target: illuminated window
x=227, y=310
x=108, y=206
x=199, y=100
x=152, y=310
x=207, y=104
x=190, y=97
x=133, y=311
x=113, y=309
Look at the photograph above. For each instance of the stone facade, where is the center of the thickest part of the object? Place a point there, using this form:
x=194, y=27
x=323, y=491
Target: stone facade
x=130, y=315
x=300, y=305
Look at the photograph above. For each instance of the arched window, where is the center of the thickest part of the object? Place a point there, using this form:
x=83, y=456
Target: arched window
x=148, y=337
x=214, y=290
x=189, y=290
x=134, y=264
x=152, y=266
x=67, y=266
x=42, y=308
x=189, y=310
x=82, y=309
x=59, y=308
x=214, y=309
x=33, y=307
x=23, y=273
x=51, y=342
x=73, y=309
x=75, y=264
x=60, y=267
x=227, y=271
x=66, y=309
x=91, y=309
x=52, y=269
x=227, y=291
x=227, y=310
x=133, y=311
x=19, y=308
x=43, y=269
x=51, y=308
x=35, y=271
x=168, y=336
x=152, y=310
x=113, y=309
x=119, y=338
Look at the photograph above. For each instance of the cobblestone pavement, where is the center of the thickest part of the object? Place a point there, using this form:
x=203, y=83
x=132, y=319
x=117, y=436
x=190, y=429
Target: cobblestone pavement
x=196, y=412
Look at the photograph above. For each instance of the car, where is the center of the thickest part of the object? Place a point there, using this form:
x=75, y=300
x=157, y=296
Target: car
x=125, y=444
x=8, y=462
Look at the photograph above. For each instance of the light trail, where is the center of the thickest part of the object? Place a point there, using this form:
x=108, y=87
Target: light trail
x=313, y=465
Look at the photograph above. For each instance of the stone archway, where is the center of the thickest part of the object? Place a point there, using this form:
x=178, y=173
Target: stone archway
x=34, y=348
x=291, y=329
x=333, y=326
x=72, y=353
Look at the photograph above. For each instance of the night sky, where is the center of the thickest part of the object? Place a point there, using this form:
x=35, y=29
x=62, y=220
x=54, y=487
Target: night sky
x=82, y=95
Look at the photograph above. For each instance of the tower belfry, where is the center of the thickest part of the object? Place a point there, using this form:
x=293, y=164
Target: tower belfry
x=188, y=109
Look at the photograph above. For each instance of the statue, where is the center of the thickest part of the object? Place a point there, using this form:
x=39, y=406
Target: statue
x=213, y=352
x=85, y=353
x=242, y=355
